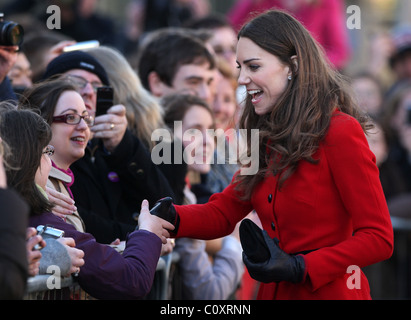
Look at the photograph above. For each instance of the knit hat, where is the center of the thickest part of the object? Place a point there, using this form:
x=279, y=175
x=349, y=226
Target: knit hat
x=75, y=60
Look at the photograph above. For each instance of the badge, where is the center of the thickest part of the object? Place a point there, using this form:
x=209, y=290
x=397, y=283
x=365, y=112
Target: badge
x=113, y=177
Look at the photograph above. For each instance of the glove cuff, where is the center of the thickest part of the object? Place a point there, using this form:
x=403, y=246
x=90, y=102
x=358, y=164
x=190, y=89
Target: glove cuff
x=300, y=270
x=176, y=222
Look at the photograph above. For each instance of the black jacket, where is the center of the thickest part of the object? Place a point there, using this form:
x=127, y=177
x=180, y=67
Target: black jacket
x=13, y=257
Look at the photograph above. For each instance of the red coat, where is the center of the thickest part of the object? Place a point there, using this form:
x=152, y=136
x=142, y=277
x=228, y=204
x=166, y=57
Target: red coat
x=335, y=207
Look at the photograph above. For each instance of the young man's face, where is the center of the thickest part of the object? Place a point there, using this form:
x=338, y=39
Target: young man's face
x=195, y=79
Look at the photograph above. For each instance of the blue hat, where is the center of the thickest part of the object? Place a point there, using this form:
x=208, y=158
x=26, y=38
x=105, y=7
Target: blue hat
x=76, y=60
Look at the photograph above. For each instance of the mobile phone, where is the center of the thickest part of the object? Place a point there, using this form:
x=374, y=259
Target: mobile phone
x=48, y=232
x=82, y=46
x=104, y=100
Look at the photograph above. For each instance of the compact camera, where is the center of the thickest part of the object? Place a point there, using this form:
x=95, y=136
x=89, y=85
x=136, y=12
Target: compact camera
x=11, y=33
x=48, y=232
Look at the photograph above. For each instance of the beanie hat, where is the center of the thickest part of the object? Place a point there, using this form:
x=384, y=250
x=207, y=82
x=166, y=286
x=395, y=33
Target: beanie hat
x=75, y=60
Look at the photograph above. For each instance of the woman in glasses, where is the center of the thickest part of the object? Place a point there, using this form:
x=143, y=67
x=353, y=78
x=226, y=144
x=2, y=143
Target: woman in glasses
x=106, y=274
x=64, y=110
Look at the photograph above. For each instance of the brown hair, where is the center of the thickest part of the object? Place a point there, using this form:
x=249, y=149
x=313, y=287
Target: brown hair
x=166, y=50
x=26, y=133
x=300, y=118
x=43, y=96
x=176, y=106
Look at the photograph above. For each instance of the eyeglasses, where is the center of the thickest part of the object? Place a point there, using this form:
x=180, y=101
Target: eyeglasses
x=49, y=150
x=74, y=119
x=81, y=83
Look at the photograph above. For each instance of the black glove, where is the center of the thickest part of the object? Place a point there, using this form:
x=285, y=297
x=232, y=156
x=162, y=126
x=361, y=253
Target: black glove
x=280, y=266
x=253, y=242
x=164, y=209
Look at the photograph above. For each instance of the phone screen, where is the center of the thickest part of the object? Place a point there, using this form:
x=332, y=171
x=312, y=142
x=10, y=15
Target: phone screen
x=82, y=46
x=104, y=99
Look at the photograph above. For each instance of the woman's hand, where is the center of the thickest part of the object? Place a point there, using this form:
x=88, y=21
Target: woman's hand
x=154, y=224
x=33, y=255
x=111, y=127
x=76, y=255
x=167, y=247
x=57, y=50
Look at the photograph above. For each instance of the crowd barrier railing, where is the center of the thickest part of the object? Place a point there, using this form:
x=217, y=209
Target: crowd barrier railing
x=391, y=279
x=48, y=287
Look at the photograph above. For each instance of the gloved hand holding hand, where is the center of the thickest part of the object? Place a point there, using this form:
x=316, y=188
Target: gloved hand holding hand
x=280, y=266
x=164, y=209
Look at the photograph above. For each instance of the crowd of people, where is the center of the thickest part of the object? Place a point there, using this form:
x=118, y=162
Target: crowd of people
x=333, y=158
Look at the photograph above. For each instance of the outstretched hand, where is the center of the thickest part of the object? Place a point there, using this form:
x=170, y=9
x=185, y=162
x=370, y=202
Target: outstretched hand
x=154, y=224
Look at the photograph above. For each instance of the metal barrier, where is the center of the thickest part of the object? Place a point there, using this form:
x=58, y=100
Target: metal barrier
x=38, y=287
x=391, y=279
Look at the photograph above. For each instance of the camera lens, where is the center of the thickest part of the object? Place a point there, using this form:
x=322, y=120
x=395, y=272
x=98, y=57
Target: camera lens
x=11, y=33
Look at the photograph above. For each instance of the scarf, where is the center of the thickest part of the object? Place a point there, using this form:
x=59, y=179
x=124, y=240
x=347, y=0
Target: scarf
x=69, y=173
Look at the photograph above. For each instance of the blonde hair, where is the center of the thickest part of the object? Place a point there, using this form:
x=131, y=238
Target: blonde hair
x=144, y=113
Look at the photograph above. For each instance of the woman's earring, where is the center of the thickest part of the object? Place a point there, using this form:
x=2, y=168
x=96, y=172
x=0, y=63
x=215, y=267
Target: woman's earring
x=289, y=77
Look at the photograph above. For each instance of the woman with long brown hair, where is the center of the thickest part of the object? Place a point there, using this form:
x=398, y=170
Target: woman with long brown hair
x=316, y=190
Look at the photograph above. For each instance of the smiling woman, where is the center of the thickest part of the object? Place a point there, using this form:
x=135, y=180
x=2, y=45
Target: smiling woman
x=64, y=110
x=263, y=74
x=105, y=274
x=316, y=172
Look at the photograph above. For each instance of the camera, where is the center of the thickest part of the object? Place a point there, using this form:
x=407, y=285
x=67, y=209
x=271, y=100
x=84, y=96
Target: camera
x=11, y=33
x=48, y=232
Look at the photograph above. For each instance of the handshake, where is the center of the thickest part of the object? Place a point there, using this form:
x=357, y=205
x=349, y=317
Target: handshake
x=167, y=225
x=164, y=209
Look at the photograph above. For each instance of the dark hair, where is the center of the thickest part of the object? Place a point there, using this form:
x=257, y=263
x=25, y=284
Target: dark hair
x=176, y=106
x=165, y=51
x=43, y=96
x=392, y=103
x=26, y=134
x=300, y=118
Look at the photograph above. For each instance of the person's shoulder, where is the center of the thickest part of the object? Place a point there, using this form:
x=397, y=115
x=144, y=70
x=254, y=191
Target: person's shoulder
x=343, y=122
x=342, y=127
x=340, y=118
